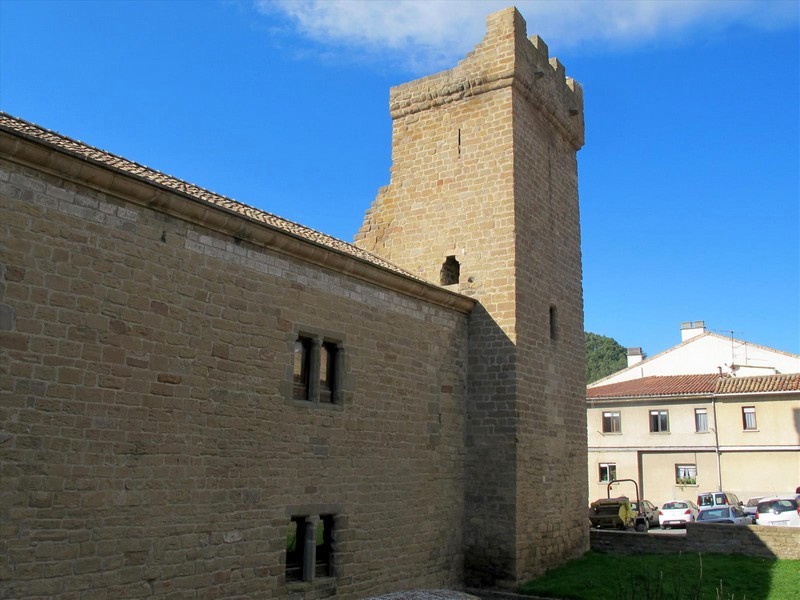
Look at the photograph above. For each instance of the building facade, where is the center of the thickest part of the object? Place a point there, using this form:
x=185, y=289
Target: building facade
x=202, y=399
x=684, y=434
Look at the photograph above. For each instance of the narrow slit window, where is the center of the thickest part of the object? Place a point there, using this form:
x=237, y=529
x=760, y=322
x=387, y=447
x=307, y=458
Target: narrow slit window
x=451, y=271
x=553, y=323
x=327, y=372
x=323, y=565
x=295, y=547
x=302, y=362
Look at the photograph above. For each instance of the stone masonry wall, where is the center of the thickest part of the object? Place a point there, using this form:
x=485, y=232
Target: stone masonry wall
x=149, y=445
x=484, y=171
x=750, y=540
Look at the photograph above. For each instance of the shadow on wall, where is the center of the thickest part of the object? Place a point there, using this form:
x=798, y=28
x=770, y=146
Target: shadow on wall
x=796, y=413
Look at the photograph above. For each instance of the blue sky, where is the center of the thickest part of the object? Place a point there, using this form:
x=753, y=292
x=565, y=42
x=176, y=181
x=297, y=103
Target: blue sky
x=689, y=178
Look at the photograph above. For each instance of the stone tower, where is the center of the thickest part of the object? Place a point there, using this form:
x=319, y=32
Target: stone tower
x=483, y=199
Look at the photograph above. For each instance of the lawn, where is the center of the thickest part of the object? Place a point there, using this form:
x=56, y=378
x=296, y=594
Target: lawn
x=670, y=577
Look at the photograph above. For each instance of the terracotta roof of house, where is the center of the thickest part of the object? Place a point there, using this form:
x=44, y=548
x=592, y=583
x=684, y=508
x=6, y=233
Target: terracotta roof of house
x=95, y=155
x=704, y=384
x=762, y=383
x=667, y=385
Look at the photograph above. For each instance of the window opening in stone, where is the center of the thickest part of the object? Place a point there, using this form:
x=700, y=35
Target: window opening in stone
x=459, y=141
x=553, y=323
x=295, y=546
x=302, y=362
x=450, y=272
x=327, y=372
x=323, y=566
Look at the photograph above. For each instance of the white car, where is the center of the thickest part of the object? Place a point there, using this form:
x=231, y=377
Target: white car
x=778, y=510
x=677, y=512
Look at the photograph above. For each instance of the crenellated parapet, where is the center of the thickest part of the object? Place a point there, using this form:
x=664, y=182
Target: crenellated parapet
x=505, y=57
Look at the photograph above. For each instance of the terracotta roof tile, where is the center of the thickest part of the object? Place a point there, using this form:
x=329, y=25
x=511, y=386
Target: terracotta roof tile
x=763, y=383
x=667, y=385
x=682, y=385
x=95, y=155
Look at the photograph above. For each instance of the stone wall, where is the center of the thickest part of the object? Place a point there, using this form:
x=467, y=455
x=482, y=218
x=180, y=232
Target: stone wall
x=150, y=444
x=751, y=540
x=484, y=173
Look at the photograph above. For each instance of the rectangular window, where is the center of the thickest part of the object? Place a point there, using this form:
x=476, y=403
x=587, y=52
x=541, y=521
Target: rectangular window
x=659, y=421
x=749, y=417
x=612, y=423
x=302, y=368
x=700, y=420
x=295, y=546
x=553, y=323
x=327, y=372
x=686, y=474
x=309, y=548
x=323, y=566
x=608, y=472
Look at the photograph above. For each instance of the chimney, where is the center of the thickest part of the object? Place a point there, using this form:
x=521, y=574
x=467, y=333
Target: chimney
x=691, y=329
x=635, y=356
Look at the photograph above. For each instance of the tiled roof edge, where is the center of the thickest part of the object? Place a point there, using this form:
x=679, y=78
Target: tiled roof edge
x=26, y=130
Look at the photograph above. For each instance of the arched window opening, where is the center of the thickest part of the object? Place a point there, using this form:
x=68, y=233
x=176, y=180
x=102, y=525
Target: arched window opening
x=450, y=272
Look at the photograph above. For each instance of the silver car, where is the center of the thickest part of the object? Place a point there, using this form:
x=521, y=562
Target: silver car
x=732, y=515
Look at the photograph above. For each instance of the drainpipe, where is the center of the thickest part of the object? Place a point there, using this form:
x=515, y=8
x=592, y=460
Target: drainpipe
x=716, y=442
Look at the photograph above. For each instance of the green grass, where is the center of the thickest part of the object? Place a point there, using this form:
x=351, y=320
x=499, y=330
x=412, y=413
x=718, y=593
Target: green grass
x=670, y=577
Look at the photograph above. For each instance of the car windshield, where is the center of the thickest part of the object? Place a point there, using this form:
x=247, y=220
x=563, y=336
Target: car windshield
x=675, y=505
x=753, y=501
x=777, y=506
x=713, y=513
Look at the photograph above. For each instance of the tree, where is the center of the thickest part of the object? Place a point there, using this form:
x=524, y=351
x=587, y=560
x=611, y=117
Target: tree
x=604, y=356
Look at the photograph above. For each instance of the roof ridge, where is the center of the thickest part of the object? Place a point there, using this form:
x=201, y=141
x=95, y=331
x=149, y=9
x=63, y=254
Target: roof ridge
x=19, y=126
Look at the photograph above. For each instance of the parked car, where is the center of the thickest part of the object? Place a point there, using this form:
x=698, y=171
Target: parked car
x=649, y=509
x=733, y=515
x=751, y=506
x=677, y=512
x=778, y=511
x=708, y=499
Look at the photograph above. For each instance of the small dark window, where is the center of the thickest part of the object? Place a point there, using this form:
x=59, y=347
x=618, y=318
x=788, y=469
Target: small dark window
x=450, y=272
x=302, y=362
x=295, y=546
x=327, y=372
x=553, y=323
x=323, y=566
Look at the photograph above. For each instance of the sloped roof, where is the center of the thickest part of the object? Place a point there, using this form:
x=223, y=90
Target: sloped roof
x=111, y=161
x=683, y=344
x=668, y=385
x=687, y=385
x=763, y=383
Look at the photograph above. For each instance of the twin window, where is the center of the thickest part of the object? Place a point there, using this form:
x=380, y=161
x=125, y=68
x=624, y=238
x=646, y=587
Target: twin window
x=316, y=370
x=309, y=548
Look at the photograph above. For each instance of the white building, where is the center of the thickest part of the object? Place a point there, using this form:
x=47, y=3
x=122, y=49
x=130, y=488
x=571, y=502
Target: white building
x=694, y=418
x=702, y=351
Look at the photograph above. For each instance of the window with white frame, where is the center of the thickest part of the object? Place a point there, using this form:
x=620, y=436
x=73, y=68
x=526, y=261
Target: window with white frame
x=686, y=474
x=612, y=422
x=608, y=472
x=659, y=421
x=749, y=418
x=700, y=420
